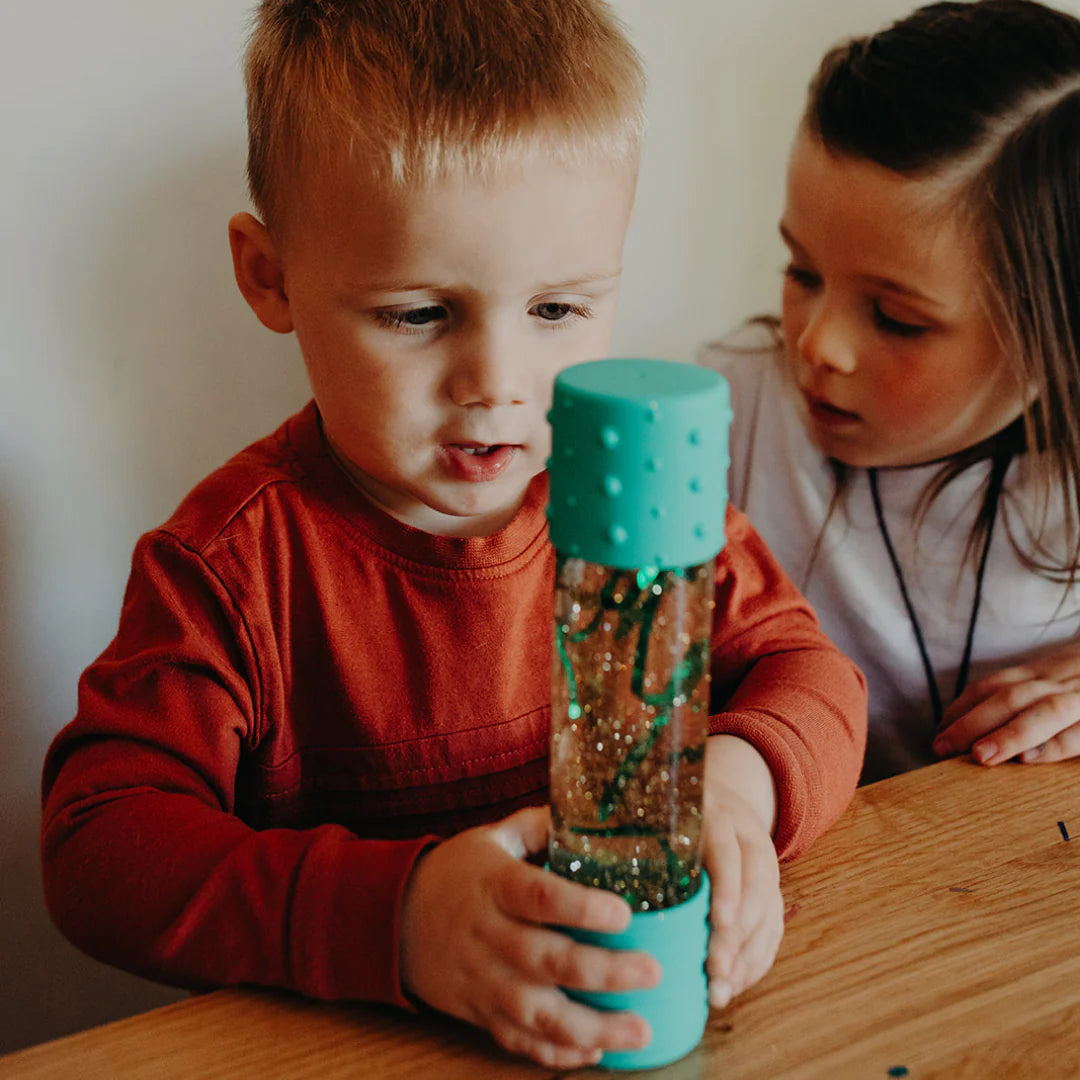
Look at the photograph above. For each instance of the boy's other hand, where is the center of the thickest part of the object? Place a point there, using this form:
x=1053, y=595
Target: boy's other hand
x=746, y=908
x=1030, y=711
x=477, y=943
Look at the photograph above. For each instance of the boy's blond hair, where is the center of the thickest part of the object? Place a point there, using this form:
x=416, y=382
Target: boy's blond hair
x=410, y=90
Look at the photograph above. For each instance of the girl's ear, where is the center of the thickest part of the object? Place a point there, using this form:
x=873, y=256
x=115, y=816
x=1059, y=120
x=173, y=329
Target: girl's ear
x=259, y=276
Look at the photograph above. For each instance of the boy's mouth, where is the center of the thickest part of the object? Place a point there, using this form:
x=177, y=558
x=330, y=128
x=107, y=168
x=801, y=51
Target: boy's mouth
x=479, y=462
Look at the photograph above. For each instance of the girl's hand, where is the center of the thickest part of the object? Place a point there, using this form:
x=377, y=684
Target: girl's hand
x=477, y=942
x=747, y=908
x=1030, y=711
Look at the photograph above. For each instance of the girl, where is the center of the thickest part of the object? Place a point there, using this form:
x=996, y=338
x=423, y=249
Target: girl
x=911, y=450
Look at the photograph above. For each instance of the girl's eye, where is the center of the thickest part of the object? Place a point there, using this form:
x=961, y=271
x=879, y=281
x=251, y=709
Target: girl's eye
x=413, y=319
x=554, y=312
x=895, y=327
x=805, y=279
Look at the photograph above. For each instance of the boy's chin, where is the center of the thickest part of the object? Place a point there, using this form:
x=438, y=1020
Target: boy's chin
x=480, y=517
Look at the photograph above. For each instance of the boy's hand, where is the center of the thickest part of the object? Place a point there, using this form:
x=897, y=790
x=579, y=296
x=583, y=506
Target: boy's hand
x=1031, y=711
x=747, y=908
x=477, y=943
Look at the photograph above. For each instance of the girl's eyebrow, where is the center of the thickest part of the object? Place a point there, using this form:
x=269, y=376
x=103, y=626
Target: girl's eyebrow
x=790, y=240
x=902, y=290
x=874, y=279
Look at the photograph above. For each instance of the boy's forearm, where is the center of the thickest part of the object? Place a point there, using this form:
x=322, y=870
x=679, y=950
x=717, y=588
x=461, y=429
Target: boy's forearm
x=148, y=876
x=782, y=686
x=804, y=712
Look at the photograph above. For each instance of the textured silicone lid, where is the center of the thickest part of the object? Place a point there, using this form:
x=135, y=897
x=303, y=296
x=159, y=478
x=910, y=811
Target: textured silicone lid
x=639, y=463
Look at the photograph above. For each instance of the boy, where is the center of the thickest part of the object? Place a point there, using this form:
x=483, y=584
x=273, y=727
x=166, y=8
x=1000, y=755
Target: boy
x=338, y=650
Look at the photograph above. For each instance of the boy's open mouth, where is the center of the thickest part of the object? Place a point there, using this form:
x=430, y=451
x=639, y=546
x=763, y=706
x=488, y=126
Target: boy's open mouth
x=479, y=462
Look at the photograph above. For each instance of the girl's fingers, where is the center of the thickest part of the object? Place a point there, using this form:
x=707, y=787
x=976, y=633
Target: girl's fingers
x=1059, y=665
x=1008, y=702
x=1066, y=744
x=1033, y=727
x=978, y=692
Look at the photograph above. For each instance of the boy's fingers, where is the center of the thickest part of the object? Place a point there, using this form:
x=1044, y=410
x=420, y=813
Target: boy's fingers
x=588, y=967
x=725, y=941
x=758, y=950
x=549, y=956
x=547, y=1020
x=723, y=860
x=525, y=1043
x=533, y=895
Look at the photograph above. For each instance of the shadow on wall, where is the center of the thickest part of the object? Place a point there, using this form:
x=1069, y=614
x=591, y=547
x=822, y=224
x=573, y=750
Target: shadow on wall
x=152, y=372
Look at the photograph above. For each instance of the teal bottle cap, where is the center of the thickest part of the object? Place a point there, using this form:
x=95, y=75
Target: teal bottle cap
x=639, y=463
x=677, y=1008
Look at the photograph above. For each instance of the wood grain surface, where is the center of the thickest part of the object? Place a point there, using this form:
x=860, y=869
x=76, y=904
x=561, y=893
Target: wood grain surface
x=932, y=933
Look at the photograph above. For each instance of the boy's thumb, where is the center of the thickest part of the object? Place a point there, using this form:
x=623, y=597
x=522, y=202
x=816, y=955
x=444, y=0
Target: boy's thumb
x=525, y=832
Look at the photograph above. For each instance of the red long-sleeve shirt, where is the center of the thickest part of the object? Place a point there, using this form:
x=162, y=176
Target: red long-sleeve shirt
x=303, y=691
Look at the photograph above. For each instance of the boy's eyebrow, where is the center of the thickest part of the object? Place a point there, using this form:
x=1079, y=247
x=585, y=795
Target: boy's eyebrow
x=402, y=285
x=587, y=279
x=874, y=279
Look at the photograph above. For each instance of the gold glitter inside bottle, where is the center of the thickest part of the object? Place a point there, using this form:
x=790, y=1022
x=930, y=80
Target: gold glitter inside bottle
x=630, y=707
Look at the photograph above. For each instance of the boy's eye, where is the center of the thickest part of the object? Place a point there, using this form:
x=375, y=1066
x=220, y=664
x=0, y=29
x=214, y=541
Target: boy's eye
x=896, y=326
x=413, y=318
x=552, y=311
x=805, y=279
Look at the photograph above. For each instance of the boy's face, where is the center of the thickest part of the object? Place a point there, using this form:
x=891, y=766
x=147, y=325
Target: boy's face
x=434, y=320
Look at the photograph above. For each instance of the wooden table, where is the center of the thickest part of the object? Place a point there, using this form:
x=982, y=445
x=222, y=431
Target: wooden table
x=934, y=929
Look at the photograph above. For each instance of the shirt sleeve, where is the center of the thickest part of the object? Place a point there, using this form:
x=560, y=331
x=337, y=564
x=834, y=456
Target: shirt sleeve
x=146, y=865
x=780, y=683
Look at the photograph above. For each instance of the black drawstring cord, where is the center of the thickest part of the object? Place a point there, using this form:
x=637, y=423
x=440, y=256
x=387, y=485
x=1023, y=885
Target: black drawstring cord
x=993, y=496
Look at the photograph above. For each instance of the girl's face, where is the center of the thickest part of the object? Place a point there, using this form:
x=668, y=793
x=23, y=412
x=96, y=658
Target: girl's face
x=887, y=335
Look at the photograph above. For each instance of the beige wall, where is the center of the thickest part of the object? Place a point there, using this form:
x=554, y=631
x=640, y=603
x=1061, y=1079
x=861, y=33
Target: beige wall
x=129, y=366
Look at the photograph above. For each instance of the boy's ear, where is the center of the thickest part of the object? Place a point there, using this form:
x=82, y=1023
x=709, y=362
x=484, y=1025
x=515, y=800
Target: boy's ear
x=258, y=272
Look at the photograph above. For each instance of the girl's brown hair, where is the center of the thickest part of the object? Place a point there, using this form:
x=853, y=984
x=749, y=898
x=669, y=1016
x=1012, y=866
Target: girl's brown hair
x=985, y=96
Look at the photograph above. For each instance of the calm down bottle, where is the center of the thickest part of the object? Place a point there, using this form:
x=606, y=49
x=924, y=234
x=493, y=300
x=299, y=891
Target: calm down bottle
x=638, y=499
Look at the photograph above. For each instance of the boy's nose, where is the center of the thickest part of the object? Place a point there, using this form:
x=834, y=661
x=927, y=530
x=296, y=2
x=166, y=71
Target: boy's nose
x=488, y=370
x=826, y=341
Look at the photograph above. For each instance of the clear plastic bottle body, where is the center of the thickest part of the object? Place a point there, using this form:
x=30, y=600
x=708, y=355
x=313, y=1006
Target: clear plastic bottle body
x=630, y=706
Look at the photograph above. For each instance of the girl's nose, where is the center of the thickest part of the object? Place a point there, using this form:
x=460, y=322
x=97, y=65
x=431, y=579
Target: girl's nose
x=827, y=341
x=488, y=369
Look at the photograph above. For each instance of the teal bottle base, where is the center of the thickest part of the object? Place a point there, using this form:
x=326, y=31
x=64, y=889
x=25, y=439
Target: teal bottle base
x=677, y=1008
